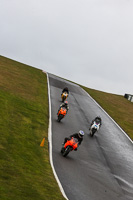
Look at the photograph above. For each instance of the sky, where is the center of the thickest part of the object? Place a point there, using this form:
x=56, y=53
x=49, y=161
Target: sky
x=89, y=42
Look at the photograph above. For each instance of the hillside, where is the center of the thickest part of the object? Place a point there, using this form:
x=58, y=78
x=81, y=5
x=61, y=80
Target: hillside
x=25, y=171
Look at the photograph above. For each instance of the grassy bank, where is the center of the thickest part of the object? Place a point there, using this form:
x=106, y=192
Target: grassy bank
x=25, y=171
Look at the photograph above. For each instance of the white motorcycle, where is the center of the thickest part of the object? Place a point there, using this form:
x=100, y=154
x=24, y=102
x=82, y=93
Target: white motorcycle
x=94, y=127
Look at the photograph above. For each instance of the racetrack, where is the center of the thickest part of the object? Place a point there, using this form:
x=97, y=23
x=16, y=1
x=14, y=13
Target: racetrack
x=102, y=168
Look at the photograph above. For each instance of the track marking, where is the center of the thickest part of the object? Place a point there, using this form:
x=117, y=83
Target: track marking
x=50, y=142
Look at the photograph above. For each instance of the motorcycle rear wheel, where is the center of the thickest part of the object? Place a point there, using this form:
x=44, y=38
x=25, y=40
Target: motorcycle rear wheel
x=63, y=99
x=92, y=132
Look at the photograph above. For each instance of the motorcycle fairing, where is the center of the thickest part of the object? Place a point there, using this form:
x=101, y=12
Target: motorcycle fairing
x=73, y=143
x=62, y=111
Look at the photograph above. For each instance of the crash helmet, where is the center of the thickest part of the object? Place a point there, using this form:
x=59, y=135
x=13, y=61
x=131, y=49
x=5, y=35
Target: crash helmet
x=98, y=119
x=66, y=103
x=81, y=133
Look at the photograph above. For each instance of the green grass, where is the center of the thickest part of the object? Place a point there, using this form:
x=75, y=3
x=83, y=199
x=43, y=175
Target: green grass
x=25, y=171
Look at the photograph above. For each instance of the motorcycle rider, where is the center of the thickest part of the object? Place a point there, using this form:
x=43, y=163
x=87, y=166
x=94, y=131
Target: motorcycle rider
x=65, y=90
x=78, y=135
x=65, y=105
x=97, y=120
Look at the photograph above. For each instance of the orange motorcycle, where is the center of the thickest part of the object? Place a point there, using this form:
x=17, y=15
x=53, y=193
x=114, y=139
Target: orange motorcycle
x=64, y=96
x=61, y=114
x=70, y=145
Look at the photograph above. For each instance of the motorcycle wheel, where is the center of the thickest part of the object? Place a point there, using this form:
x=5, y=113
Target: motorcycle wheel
x=67, y=151
x=60, y=117
x=92, y=132
x=62, y=150
x=63, y=99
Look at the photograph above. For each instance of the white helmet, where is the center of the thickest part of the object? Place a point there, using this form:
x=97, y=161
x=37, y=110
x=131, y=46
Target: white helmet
x=81, y=133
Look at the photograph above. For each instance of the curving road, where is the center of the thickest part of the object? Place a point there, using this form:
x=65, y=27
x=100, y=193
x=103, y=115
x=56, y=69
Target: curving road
x=102, y=168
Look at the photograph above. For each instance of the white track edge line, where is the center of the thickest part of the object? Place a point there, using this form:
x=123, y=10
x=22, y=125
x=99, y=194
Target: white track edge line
x=109, y=116
x=50, y=142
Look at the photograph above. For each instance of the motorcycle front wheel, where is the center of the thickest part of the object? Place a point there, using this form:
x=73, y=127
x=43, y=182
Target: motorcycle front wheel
x=60, y=117
x=67, y=151
x=62, y=150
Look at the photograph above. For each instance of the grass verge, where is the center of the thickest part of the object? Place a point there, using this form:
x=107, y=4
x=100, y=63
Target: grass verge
x=25, y=171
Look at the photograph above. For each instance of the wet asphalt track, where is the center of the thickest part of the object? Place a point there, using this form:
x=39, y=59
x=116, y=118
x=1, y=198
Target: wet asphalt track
x=102, y=168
